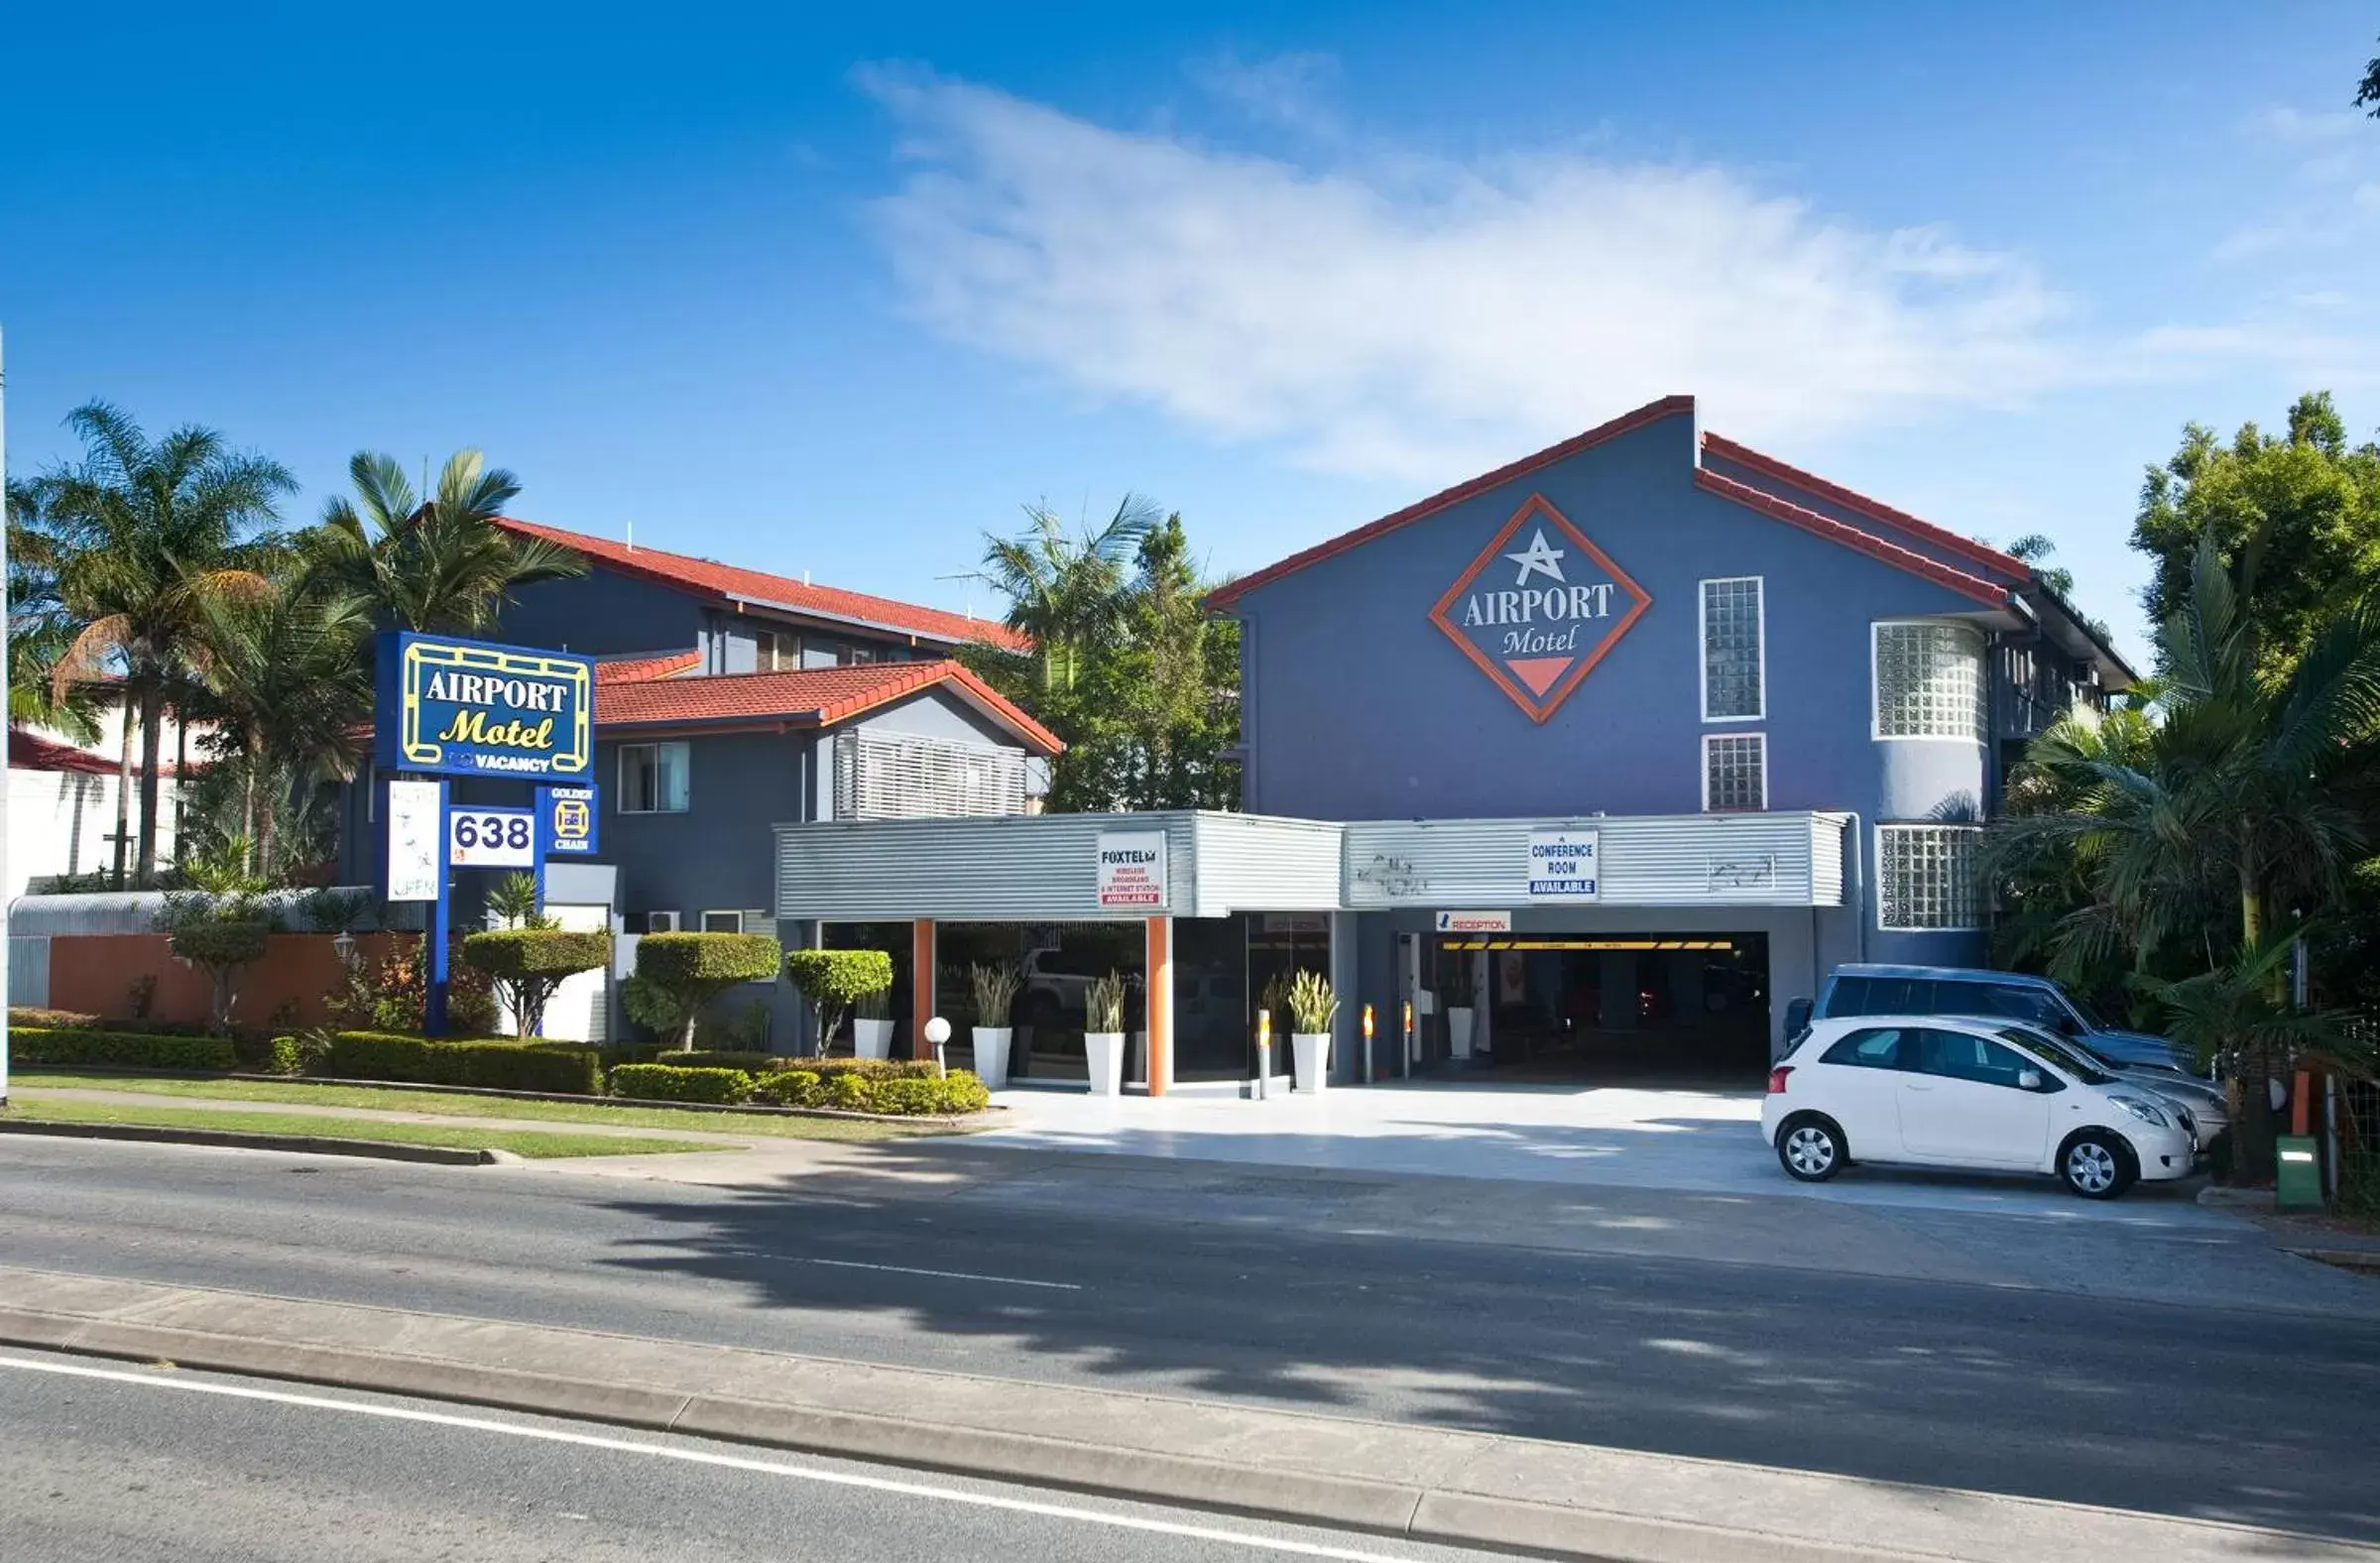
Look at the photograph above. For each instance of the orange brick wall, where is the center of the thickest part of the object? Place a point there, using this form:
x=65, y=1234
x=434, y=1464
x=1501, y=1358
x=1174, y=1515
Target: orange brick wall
x=94, y=972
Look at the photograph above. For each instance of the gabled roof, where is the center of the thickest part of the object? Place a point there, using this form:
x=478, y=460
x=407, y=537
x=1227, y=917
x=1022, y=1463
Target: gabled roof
x=1990, y=594
x=727, y=583
x=1979, y=557
x=1628, y=423
x=812, y=697
x=643, y=669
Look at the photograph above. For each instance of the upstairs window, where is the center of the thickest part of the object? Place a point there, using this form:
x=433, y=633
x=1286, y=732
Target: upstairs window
x=1929, y=680
x=1734, y=660
x=654, y=779
x=1734, y=771
x=776, y=651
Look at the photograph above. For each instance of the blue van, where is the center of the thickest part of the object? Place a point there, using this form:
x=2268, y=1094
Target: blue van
x=1949, y=990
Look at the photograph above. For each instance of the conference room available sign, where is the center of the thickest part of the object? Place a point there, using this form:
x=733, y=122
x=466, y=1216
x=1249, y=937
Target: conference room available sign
x=470, y=708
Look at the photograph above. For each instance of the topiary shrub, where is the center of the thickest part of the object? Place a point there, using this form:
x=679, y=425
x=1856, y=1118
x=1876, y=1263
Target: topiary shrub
x=693, y=969
x=669, y=1083
x=527, y=965
x=835, y=980
x=219, y=936
x=504, y=1064
x=34, y=1049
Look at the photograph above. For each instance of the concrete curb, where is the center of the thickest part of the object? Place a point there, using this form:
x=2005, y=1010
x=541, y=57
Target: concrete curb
x=1438, y=1485
x=303, y=1144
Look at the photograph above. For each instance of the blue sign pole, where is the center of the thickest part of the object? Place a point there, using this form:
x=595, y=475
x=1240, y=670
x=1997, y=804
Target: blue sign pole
x=433, y=997
x=536, y=861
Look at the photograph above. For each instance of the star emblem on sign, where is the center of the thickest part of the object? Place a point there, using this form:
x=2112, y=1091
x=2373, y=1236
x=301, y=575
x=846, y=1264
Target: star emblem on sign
x=1538, y=558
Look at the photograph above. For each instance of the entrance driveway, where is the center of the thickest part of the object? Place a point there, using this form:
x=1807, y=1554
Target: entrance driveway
x=1692, y=1140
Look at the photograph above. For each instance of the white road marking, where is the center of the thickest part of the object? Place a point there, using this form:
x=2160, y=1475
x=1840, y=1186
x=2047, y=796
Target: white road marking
x=631, y=1446
x=903, y=1270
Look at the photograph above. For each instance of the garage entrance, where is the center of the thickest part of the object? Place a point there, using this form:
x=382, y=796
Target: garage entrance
x=1649, y=1008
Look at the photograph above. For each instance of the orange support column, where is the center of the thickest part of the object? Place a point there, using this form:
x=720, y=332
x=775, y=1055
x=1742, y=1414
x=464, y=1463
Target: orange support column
x=922, y=986
x=1160, y=1004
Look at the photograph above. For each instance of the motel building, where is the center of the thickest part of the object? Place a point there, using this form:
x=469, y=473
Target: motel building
x=1591, y=764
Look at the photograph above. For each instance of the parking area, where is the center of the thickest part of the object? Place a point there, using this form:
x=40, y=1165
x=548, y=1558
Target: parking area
x=1689, y=1140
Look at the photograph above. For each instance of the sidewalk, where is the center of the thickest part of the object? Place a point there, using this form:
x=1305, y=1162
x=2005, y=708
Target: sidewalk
x=1470, y=1489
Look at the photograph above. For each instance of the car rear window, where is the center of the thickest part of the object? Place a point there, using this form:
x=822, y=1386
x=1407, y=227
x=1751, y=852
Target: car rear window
x=1877, y=1047
x=1882, y=995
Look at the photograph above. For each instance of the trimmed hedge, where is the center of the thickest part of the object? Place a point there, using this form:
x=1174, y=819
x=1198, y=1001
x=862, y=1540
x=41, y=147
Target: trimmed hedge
x=667, y=1083
x=511, y=954
x=702, y=962
x=503, y=1066
x=870, y=1068
x=24, y=1018
x=750, y=1063
x=32, y=1049
x=906, y=1095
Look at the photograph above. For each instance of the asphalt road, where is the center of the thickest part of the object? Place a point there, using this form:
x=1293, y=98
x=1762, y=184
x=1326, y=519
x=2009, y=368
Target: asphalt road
x=2204, y=1412
x=112, y=1465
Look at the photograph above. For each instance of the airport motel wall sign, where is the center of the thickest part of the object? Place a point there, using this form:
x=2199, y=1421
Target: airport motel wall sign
x=1539, y=607
x=470, y=708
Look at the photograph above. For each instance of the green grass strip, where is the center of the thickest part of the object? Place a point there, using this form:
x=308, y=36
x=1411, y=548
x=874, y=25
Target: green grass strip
x=535, y=1143
x=454, y=1104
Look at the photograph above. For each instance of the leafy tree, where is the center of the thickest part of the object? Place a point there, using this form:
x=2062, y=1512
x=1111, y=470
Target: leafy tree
x=693, y=969
x=220, y=935
x=286, y=692
x=40, y=629
x=2367, y=94
x=835, y=980
x=1065, y=593
x=440, y=566
x=527, y=965
x=148, y=536
x=2250, y=802
x=2296, y=518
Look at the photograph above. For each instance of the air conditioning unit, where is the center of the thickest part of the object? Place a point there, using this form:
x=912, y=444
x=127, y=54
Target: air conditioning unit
x=660, y=922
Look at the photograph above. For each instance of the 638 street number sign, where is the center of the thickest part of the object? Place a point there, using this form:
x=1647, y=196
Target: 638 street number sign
x=492, y=838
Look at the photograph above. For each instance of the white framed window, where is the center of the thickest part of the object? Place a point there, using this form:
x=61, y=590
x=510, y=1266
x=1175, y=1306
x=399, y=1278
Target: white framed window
x=1735, y=650
x=857, y=655
x=660, y=922
x=654, y=779
x=1926, y=878
x=723, y=922
x=776, y=651
x=1929, y=680
x=1734, y=771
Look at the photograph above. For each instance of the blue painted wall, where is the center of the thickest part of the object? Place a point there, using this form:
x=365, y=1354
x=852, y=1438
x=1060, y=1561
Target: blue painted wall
x=602, y=614
x=1357, y=706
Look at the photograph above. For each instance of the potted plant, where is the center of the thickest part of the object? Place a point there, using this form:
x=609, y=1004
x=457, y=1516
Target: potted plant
x=872, y=1025
x=1459, y=1010
x=994, y=996
x=1103, y=1039
x=1312, y=1008
x=834, y=979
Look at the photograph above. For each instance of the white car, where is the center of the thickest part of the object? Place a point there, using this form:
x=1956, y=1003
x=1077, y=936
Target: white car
x=1937, y=1091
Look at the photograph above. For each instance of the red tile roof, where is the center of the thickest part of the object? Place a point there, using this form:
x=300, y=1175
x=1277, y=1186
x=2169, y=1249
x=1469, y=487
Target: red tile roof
x=727, y=582
x=28, y=751
x=1628, y=423
x=643, y=669
x=815, y=697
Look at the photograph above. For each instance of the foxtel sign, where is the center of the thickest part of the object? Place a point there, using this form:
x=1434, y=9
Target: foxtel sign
x=468, y=708
x=1539, y=607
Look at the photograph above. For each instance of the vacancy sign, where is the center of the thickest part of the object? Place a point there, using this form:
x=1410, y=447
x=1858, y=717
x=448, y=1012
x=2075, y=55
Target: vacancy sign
x=1132, y=870
x=1566, y=865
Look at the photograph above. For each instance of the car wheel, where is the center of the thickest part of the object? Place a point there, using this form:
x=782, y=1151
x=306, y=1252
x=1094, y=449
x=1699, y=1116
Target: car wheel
x=1809, y=1148
x=2097, y=1165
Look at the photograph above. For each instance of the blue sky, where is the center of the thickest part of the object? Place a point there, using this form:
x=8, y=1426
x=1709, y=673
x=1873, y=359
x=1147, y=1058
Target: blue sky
x=837, y=290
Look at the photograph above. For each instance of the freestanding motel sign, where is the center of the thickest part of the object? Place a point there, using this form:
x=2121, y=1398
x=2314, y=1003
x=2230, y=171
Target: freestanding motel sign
x=501, y=713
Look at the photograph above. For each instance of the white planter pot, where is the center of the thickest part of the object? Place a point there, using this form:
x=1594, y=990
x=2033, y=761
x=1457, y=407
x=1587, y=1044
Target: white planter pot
x=1311, y=1054
x=1102, y=1051
x=872, y=1039
x=991, y=1055
x=1458, y=1031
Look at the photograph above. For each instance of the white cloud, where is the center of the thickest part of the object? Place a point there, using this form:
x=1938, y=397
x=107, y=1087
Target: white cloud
x=1402, y=318
x=1290, y=90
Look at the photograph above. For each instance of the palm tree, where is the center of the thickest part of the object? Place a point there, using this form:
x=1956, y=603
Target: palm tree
x=148, y=536
x=441, y=566
x=1066, y=593
x=287, y=690
x=40, y=629
x=2247, y=794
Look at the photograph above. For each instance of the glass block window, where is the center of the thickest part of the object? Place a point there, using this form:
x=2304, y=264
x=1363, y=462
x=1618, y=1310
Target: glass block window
x=1925, y=876
x=1734, y=771
x=1732, y=653
x=1929, y=681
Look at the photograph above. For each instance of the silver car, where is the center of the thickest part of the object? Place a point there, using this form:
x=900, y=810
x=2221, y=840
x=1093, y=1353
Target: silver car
x=2200, y=1102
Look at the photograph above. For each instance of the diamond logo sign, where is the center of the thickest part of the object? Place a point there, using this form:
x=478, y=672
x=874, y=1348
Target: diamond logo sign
x=1539, y=607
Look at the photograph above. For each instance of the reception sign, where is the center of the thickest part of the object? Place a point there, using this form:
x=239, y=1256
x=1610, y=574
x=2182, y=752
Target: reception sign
x=451, y=707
